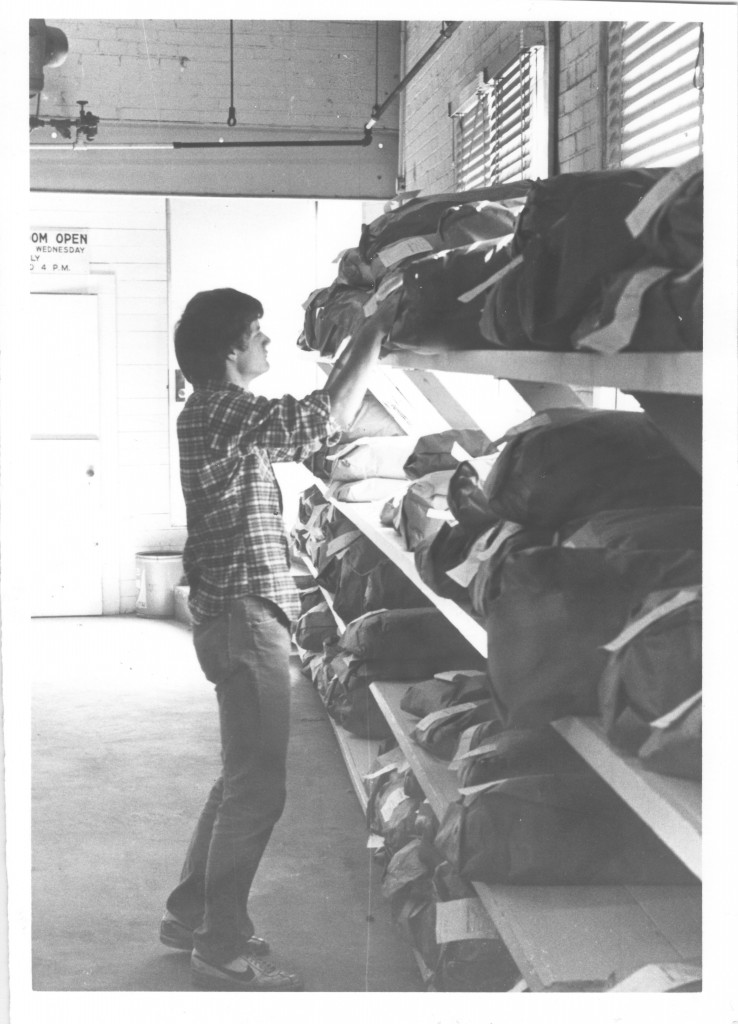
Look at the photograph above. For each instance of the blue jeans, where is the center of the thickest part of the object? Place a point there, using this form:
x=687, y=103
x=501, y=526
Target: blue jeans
x=245, y=652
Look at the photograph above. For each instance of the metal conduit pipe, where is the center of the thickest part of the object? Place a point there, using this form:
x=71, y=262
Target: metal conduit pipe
x=447, y=30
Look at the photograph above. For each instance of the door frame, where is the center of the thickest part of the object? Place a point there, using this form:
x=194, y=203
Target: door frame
x=102, y=285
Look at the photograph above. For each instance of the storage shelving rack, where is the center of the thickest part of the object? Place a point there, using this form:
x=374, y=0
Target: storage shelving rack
x=567, y=937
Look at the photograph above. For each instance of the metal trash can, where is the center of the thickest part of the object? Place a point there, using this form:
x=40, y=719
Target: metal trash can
x=157, y=574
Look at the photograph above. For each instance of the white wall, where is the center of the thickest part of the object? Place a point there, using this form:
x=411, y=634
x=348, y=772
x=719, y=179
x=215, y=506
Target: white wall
x=278, y=250
x=128, y=240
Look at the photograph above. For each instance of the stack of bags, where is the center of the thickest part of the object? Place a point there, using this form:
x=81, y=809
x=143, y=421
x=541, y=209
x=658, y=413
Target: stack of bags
x=603, y=261
x=581, y=550
x=391, y=633
x=428, y=898
x=397, y=645
x=531, y=812
x=419, y=256
x=371, y=421
x=368, y=468
x=422, y=507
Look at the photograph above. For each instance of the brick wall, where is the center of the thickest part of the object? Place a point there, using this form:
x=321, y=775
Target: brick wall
x=580, y=102
x=169, y=81
x=313, y=74
x=427, y=128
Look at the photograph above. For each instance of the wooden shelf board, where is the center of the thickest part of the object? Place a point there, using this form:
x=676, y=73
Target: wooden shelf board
x=365, y=515
x=662, y=372
x=564, y=935
x=436, y=781
x=359, y=755
x=671, y=807
x=591, y=935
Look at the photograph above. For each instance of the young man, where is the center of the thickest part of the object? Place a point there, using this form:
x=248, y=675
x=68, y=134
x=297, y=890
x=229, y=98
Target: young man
x=242, y=599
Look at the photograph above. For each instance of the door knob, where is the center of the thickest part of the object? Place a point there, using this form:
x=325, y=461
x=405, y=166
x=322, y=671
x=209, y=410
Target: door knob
x=91, y=471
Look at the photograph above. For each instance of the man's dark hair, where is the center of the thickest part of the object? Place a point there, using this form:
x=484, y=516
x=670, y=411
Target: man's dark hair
x=211, y=325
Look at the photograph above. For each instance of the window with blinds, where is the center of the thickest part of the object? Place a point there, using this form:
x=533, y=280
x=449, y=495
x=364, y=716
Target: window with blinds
x=654, y=93
x=497, y=129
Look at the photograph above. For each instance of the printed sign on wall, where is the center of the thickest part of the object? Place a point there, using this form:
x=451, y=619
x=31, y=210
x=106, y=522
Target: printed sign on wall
x=59, y=251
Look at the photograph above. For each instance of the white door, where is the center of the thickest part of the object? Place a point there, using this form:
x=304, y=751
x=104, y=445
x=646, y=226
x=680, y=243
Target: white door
x=65, y=562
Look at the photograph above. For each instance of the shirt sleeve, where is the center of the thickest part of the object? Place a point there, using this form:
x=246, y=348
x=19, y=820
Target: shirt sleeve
x=287, y=427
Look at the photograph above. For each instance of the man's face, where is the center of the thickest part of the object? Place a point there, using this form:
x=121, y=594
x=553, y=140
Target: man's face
x=251, y=358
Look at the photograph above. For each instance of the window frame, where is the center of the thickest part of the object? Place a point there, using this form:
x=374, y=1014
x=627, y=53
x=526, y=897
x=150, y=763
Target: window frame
x=632, y=75
x=515, y=81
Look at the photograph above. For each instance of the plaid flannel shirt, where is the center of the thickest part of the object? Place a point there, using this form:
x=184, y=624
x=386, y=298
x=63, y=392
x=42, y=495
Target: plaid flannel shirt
x=236, y=543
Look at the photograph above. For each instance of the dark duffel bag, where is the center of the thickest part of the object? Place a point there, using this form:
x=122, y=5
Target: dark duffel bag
x=410, y=872
x=315, y=627
x=644, y=309
x=572, y=233
x=392, y=809
x=439, y=732
x=556, y=608
x=310, y=597
x=554, y=829
x=445, y=450
x=443, y=691
x=455, y=329
x=502, y=318
x=490, y=752
x=467, y=501
x=638, y=529
x=424, y=507
x=353, y=270
x=421, y=216
x=327, y=538
x=463, y=965
x=674, y=746
x=438, y=553
x=433, y=287
x=654, y=665
x=331, y=315
x=565, y=464
x=368, y=581
x=348, y=699
x=477, y=222
x=480, y=570
x=673, y=234
x=469, y=964
x=409, y=636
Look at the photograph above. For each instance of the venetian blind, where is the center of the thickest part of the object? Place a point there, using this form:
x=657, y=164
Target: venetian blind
x=654, y=93
x=493, y=132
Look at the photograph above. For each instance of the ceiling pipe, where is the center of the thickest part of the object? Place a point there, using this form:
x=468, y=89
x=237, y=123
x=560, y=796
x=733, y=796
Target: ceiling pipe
x=447, y=30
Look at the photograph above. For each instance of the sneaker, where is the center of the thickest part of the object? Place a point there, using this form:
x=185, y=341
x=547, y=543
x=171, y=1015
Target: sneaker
x=244, y=974
x=178, y=936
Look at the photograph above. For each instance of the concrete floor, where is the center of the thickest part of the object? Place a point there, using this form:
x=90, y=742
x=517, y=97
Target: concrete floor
x=125, y=748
